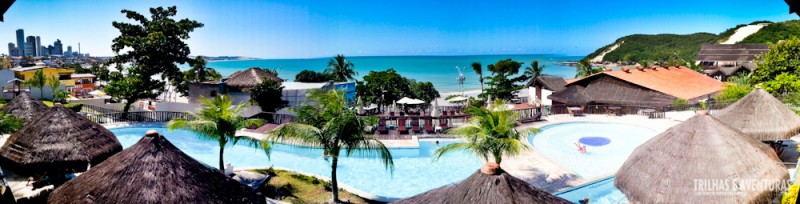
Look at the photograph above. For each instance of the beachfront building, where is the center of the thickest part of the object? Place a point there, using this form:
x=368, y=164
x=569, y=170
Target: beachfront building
x=238, y=86
x=543, y=86
x=648, y=87
x=721, y=61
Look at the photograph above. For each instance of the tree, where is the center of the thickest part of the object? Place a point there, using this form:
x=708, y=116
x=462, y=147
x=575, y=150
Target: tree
x=100, y=71
x=502, y=83
x=54, y=85
x=38, y=80
x=423, y=91
x=490, y=132
x=383, y=87
x=312, y=76
x=778, y=68
x=267, y=95
x=8, y=123
x=534, y=70
x=340, y=68
x=218, y=119
x=585, y=68
x=152, y=47
x=198, y=73
x=738, y=87
x=331, y=125
x=478, y=69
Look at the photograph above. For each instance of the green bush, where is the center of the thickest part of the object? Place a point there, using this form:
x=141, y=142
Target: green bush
x=74, y=106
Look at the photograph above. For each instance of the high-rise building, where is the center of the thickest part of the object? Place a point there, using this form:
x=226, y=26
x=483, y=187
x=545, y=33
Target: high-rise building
x=43, y=51
x=58, y=48
x=11, y=48
x=21, y=42
x=30, y=46
x=39, y=49
x=69, y=51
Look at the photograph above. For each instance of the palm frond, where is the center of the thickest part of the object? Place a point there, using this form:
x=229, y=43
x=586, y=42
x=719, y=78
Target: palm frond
x=296, y=132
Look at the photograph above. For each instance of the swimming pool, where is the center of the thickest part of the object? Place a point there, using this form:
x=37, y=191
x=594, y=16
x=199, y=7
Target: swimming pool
x=601, y=192
x=415, y=172
x=607, y=145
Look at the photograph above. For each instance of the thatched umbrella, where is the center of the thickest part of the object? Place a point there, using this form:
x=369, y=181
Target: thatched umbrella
x=58, y=141
x=673, y=166
x=761, y=116
x=488, y=185
x=153, y=171
x=24, y=107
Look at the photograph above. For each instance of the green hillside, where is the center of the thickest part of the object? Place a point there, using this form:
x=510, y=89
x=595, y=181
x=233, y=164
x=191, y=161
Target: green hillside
x=661, y=47
x=775, y=32
x=666, y=47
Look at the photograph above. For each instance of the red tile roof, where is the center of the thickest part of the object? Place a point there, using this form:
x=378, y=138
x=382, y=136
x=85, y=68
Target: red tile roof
x=680, y=82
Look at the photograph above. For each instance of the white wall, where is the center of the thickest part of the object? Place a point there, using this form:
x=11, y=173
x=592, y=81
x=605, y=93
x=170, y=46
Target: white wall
x=177, y=107
x=48, y=93
x=545, y=93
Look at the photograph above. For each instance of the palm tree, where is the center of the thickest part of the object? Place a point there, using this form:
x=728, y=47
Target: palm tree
x=38, y=80
x=491, y=132
x=534, y=70
x=478, y=69
x=584, y=69
x=54, y=84
x=218, y=119
x=340, y=68
x=331, y=125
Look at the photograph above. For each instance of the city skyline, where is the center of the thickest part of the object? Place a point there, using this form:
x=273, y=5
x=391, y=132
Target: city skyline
x=32, y=46
x=310, y=29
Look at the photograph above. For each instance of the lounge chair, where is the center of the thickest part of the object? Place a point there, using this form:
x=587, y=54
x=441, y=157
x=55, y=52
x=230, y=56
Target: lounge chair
x=429, y=125
x=536, y=117
x=401, y=125
x=382, y=127
x=415, y=125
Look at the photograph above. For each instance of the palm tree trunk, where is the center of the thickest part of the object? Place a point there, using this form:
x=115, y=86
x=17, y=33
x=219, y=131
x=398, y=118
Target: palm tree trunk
x=334, y=183
x=221, y=163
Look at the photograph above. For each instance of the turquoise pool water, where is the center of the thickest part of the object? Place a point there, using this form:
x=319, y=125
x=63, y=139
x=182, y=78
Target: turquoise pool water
x=415, y=172
x=607, y=145
x=600, y=192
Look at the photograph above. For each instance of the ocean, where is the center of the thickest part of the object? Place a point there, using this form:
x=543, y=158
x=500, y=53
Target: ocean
x=440, y=70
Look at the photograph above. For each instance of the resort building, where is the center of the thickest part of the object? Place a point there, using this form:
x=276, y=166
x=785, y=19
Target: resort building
x=63, y=75
x=84, y=83
x=651, y=87
x=721, y=61
x=543, y=86
x=238, y=86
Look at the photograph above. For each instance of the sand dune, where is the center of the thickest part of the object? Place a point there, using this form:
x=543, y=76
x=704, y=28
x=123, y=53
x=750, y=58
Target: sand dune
x=743, y=32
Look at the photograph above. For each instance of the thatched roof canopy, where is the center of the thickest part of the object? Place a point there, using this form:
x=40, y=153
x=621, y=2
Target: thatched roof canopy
x=761, y=116
x=493, y=186
x=572, y=95
x=666, y=168
x=58, y=141
x=552, y=83
x=153, y=171
x=24, y=107
x=249, y=78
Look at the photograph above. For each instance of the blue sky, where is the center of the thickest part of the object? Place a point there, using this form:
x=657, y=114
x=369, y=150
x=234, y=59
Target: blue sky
x=309, y=29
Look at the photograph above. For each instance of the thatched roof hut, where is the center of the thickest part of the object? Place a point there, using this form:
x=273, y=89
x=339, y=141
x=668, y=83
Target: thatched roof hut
x=249, y=78
x=488, y=185
x=58, y=141
x=24, y=107
x=671, y=167
x=761, y=116
x=153, y=171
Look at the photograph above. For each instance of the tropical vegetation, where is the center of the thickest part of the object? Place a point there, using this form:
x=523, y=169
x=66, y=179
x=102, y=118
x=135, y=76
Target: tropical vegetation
x=736, y=87
x=9, y=123
x=777, y=69
x=478, y=69
x=585, y=68
x=490, y=133
x=534, y=70
x=218, y=119
x=198, y=73
x=327, y=122
x=385, y=87
x=659, y=48
x=312, y=76
x=775, y=32
x=340, y=68
x=148, y=47
x=504, y=81
x=267, y=95
x=38, y=80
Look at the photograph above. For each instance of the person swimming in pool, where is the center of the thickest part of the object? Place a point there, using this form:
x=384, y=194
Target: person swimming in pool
x=581, y=148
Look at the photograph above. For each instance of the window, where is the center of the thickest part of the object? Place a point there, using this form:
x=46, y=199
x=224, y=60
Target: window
x=213, y=93
x=64, y=77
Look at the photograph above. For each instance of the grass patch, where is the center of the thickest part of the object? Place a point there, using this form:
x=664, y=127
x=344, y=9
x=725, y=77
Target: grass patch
x=298, y=188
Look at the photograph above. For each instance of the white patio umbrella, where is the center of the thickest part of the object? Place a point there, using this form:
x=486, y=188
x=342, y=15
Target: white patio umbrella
x=415, y=102
x=359, y=107
x=97, y=93
x=404, y=100
x=435, y=109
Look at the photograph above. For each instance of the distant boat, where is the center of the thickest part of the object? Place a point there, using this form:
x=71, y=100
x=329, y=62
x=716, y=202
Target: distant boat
x=571, y=64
